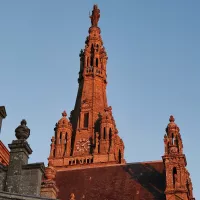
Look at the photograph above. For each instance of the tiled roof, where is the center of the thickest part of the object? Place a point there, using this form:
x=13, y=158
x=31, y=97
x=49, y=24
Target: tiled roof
x=4, y=154
x=134, y=181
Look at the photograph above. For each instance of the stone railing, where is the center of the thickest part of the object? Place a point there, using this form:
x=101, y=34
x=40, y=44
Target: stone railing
x=94, y=71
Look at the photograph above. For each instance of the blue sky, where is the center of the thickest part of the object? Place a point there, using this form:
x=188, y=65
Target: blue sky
x=153, y=70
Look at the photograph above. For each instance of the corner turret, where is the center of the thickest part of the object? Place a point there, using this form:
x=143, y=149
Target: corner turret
x=178, y=182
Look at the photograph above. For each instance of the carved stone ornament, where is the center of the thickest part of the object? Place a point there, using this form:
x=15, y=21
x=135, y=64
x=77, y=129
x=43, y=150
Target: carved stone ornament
x=50, y=173
x=72, y=196
x=173, y=150
x=95, y=16
x=22, y=131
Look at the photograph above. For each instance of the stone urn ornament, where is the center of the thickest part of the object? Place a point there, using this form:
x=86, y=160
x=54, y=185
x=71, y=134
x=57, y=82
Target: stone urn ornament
x=50, y=173
x=22, y=132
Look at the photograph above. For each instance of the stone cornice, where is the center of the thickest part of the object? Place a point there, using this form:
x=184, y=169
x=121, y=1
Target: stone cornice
x=20, y=144
x=35, y=166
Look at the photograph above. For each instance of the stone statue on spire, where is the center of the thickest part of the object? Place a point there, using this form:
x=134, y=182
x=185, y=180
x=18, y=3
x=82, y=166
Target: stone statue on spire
x=95, y=16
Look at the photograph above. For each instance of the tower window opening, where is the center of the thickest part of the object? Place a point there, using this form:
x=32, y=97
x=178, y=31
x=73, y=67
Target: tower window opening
x=60, y=139
x=92, y=55
x=88, y=62
x=65, y=144
x=86, y=120
x=173, y=139
x=120, y=157
x=54, y=152
x=110, y=134
x=174, y=176
x=104, y=133
x=110, y=137
x=176, y=141
x=91, y=61
x=97, y=62
x=66, y=138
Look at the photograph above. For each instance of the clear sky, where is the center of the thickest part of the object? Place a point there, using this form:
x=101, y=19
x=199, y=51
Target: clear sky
x=153, y=70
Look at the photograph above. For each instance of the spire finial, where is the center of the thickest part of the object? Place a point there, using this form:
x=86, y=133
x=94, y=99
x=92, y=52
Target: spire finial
x=171, y=119
x=64, y=114
x=22, y=131
x=95, y=16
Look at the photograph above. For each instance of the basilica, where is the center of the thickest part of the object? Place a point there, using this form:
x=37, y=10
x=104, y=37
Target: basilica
x=86, y=159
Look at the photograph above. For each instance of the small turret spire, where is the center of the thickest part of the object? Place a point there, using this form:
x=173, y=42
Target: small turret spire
x=171, y=118
x=178, y=182
x=64, y=113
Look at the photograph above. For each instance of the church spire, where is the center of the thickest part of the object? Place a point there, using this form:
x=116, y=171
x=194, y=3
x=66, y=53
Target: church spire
x=91, y=135
x=178, y=182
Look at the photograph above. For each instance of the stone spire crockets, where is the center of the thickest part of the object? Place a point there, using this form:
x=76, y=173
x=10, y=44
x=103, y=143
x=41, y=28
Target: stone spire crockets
x=90, y=135
x=178, y=182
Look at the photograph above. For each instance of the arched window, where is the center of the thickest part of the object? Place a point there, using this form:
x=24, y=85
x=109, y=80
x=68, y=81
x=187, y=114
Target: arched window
x=104, y=133
x=174, y=176
x=86, y=120
x=110, y=134
x=54, y=153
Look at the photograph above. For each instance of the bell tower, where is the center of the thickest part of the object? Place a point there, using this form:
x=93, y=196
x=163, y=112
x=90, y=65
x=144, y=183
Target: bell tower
x=178, y=182
x=92, y=136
